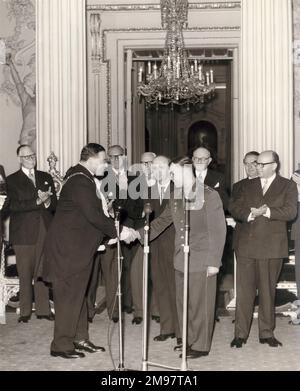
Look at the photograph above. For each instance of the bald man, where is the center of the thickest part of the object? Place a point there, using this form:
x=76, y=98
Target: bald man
x=214, y=179
x=263, y=207
x=162, y=254
x=147, y=182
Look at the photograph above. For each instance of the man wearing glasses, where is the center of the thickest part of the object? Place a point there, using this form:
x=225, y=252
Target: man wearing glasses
x=32, y=202
x=214, y=179
x=250, y=165
x=263, y=207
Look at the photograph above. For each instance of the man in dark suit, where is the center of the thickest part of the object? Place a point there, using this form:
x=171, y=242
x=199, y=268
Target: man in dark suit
x=162, y=254
x=296, y=234
x=250, y=161
x=146, y=183
x=206, y=242
x=32, y=202
x=214, y=179
x=3, y=196
x=115, y=186
x=263, y=207
x=75, y=234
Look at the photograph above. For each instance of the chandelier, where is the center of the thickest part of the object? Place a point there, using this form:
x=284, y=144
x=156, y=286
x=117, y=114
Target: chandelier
x=178, y=80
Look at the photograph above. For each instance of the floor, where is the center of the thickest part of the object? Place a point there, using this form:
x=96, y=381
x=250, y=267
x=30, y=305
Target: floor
x=25, y=347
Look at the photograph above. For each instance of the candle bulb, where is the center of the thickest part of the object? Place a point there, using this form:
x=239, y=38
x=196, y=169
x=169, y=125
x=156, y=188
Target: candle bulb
x=211, y=76
x=207, y=78
x=140, y=74
x=192, y=70
x=200, y=72
x=196, y=65
x=169, y=62
x=149, y=67
x=155, y=71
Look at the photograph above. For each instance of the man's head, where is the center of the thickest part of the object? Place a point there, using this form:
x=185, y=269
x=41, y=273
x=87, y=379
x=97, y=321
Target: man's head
x=146, y=161
x=27, y=156
x=267, y=164
x=250, y=162
x=201, y=159
x=181, y=173
x=93, y=157
x=116, y=156
x=161, y=169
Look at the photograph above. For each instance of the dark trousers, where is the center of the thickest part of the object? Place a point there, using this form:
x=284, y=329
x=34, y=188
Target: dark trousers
x=109, y=267
x=201, y=308
x=253, y=274
x=92, y=286
x=297, y=265
x=297, y=251
x=136, y=275
x=28, y=260
x=71, y=323
x=162, y=264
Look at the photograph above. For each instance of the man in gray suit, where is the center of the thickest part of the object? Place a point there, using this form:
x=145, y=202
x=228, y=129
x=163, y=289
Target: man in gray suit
x=206, y=240
x=263, y=207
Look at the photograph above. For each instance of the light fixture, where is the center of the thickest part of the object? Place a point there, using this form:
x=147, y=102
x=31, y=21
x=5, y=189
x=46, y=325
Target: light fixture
x=178, y=80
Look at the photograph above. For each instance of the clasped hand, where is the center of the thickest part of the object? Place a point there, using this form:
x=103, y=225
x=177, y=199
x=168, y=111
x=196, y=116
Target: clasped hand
x=44, y=196
x=129, y=235
x=256, y=212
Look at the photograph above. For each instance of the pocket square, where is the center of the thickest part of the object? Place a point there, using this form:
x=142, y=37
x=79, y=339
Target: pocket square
x=46, y=183
x=217, y=185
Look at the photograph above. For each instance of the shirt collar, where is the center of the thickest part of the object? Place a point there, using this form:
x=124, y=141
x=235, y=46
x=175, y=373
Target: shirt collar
x=87, y=169
x=26, y=170
x=269, y=180
x=203, y=174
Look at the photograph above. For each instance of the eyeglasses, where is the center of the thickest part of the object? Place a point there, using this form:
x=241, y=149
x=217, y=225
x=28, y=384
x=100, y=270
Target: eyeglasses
x=115, y=157
x=254, y=163
x=29, y=157
x=200, y=159
x=262, y=165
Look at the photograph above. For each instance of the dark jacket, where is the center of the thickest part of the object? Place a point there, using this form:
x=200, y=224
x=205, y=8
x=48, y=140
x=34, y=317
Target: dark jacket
x=77, y=229
x=24, y=212
x=295, y=234
x=265, y=238
x=236, y=189
x=216, y=181
x=131, y=209
x=2, y=173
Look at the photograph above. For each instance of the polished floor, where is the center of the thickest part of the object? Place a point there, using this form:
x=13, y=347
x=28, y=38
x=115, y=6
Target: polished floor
x=25, y=347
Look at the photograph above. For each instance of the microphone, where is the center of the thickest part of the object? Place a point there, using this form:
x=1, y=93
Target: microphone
x=147, y=211
x=118, y=213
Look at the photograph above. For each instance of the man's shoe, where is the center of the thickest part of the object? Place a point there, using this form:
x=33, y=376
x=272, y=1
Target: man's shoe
x=137, y=320
x=88, y=346
x=50, y=317
x=115, y=319
x=69, y=354
x=238, y=342
x=156, y=318
x=194, y=353
x=163, y=337
x=90, y=319
x=24, y=319
x=272, y=341
x=178, y=347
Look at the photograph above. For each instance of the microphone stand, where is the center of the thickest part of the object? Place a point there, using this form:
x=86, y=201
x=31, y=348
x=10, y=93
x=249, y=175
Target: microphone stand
x=119, y=293
x=186, y=251
x=145, y=289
